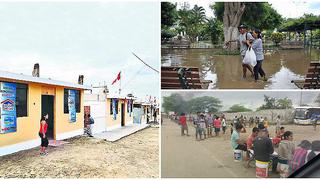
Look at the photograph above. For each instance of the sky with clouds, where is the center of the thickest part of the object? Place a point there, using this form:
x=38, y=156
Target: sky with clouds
x=287, y=8
x=252, y=99
x=95, y=39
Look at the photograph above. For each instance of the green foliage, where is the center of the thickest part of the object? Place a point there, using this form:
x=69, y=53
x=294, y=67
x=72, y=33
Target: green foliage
x=277, y=37
x=298, y=24
x=176, y=103
x=168, y=14
x=205, y=103
x=273, y=103
x=192, y=21
x=284, y=103
x=215, y=30
x=259, y=15
x=238, y=108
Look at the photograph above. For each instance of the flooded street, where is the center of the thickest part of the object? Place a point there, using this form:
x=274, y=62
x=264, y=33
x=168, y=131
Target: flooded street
x=225, y=71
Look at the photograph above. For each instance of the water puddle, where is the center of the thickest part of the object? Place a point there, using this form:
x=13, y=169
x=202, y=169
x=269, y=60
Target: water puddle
x=225, y=71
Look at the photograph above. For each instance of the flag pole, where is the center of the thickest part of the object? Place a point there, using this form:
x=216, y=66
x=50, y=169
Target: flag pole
x=120, y=84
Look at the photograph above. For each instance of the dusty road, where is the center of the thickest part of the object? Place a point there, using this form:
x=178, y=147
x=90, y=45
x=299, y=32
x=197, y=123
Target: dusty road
x=136, y=156
x=183, y=156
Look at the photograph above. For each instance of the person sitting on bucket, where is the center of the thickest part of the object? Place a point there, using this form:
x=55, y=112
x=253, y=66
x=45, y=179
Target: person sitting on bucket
x=250, y=140
x=300, y=155
x=286, y=150
x=262, y=147
x=235, y=138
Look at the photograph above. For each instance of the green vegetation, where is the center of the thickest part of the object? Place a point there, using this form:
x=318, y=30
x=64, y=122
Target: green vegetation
x=176, y=103
x=238, y=108
x=273, y=103
x=308, y=21
x=277, y=37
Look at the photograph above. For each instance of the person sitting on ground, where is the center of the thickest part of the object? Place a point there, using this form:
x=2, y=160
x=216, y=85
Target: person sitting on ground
x=183, y=123
x=235, y=139
x=262, y=147
x=285, y=151
x=300, y=155
x=315, y=150
x=217, y=125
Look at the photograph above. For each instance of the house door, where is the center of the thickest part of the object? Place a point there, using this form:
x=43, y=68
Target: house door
x=47, y=105
x=122, y=115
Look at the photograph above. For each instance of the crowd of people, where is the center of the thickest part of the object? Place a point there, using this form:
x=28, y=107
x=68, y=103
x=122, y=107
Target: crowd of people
x=259, y=146
x=206, y=125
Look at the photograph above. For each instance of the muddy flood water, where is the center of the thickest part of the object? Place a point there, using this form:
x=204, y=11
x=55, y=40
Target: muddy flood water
x=225, y=71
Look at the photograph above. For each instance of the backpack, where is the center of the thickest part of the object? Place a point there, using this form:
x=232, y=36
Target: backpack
x=91, y=120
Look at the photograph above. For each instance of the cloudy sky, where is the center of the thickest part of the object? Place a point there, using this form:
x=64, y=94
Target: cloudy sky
x=95, y=39
x=251, y=99
x=287, y=8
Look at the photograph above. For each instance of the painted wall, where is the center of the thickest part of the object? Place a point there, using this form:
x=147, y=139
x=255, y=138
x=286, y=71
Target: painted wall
x=116, y=123
x=28, y=127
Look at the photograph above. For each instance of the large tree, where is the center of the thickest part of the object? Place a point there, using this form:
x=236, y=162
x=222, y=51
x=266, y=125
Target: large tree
x=175, y=102
x=168, y=18
x=192, y=21
x=205, y=103
x=253, y=14
x=238, y=108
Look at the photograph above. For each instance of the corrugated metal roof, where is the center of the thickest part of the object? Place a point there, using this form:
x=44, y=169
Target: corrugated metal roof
x=28, y=78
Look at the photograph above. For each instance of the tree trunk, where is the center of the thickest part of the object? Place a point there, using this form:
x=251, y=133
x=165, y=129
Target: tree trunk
x=233, y=12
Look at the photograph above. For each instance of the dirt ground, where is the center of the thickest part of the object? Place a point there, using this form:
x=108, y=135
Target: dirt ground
x=183, y=156
x=135, y=156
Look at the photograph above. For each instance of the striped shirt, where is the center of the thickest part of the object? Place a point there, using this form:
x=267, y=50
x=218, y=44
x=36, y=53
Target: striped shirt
x=298, y=159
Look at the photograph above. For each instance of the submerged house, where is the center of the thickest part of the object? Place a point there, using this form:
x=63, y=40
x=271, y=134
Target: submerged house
x=25, y=99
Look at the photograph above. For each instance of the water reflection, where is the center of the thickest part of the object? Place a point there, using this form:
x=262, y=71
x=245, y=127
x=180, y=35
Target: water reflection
x=225, y=72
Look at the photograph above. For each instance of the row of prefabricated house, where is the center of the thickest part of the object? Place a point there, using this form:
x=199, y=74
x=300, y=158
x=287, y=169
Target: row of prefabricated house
x=35, y=97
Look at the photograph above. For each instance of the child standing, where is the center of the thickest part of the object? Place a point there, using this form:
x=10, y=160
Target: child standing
x=42, y=134
x=224, y=125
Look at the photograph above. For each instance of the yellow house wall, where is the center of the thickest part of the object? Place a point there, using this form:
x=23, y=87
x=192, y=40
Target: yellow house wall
x=62, y=124
x=28, y=127
x=109, y=118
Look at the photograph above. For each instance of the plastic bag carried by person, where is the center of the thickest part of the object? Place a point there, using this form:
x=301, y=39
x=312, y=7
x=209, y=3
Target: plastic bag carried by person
x=250, y=57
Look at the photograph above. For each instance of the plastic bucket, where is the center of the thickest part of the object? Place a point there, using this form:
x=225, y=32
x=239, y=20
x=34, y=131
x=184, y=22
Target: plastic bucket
x=261, y=169
x=237, y=155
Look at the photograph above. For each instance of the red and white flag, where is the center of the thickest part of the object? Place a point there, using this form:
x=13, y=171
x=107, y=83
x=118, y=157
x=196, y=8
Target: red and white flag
x=117, y=79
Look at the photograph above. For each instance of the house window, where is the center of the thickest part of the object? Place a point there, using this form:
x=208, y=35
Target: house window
x=65, y=103
x=21, y=100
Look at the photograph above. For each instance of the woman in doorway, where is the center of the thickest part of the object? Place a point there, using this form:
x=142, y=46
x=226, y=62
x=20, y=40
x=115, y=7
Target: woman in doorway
x=258, y=50
x=43, y=136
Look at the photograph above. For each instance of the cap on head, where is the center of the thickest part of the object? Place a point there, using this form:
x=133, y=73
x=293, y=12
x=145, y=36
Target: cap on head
x=242, y=26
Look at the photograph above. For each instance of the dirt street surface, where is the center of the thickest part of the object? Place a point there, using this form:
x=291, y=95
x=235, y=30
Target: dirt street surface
x=183, y=156
x=135, y=156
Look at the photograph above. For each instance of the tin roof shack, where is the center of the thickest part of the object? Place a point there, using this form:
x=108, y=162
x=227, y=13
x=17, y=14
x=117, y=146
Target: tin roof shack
x=25, y=99
x=119, y=112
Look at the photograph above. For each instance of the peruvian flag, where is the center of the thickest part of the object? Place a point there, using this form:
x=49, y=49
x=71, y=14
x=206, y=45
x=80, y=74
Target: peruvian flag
x=117, y=79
